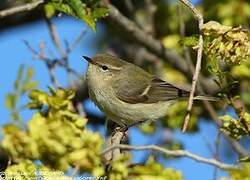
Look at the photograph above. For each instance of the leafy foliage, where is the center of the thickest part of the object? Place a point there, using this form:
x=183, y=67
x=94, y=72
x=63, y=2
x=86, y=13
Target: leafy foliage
x=88, y=11
x=231, y=45
x=239, y=127
x=236, y=128
x=242, y=174
x=55, y=135
x=151, y=170
x=223, y=46
x=22, y=85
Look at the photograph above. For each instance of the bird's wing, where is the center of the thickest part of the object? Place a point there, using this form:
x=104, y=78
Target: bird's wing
x=148, y=92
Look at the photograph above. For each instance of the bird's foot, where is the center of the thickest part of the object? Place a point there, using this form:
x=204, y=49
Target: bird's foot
x=125, y=128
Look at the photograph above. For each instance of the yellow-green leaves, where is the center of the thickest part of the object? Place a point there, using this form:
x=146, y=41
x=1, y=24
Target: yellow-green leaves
x=119, y=169
x=231, y=45
x=10, y=101
x=55, y=135
x=88, y=11
x=22, y=85
x=61, y=99
x=150, y=170
x=19, y=144
x=242, y=174
x=154, y=170
x=236, y=128
x=224, y=47
x=191, y=41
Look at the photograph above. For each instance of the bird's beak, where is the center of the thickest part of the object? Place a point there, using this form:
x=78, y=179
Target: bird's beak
x=88, y=59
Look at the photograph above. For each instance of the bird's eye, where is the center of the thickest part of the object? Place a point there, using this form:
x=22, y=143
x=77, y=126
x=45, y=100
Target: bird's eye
x=104, y=68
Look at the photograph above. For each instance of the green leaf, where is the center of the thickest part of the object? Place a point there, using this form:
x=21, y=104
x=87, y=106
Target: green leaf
x=52, y=90
x=64, y=8
x=88, y=11
x=49, y=10
x=9, y=128
x=10, y=101
x=190, y=41
x=39, y=96
x=19, y=77
x=15, y=116
x=81, y=12
x=34, y=105
x=233, y=127
x=29, y=86
x=90, y=21
x=100, y=12
x=29, y=74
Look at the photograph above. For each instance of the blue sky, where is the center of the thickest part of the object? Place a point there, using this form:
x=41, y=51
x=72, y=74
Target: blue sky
x=14, y=53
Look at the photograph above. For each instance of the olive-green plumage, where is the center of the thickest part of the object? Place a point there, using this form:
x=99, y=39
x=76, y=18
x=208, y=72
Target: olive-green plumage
x=127, y=93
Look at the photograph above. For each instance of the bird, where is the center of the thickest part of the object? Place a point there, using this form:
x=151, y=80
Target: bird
x=128, y=94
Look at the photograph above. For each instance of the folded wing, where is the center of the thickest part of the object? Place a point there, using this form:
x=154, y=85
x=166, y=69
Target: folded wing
x=149, y=92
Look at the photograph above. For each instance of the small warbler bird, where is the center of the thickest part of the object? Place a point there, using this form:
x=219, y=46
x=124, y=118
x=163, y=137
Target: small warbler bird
x=127, y=94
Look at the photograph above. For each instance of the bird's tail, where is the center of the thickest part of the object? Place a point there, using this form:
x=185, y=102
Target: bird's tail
x=207, y=98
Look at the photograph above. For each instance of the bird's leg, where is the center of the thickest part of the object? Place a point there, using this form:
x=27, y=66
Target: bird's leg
x=125, y=128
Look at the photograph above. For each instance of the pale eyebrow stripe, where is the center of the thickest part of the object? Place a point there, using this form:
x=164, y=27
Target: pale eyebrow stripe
x=111, y=67
x=116, y=68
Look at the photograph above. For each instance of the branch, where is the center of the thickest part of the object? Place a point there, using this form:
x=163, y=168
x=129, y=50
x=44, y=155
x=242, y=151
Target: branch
x=71, y=47
x=55, y=37
x=199, y=17
x=203, y=84
x=235, y=144
x=153, y=45
x=22, y=8
x=177, y=153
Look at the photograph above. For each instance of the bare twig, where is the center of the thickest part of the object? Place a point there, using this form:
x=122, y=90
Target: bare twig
x=177, y=153
x=77, y=41
x=55, y=38
x=22, y=8
x=217, y=153
x=75, y=171
x=50, y=65
x=64, y=60
x=199, y=17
